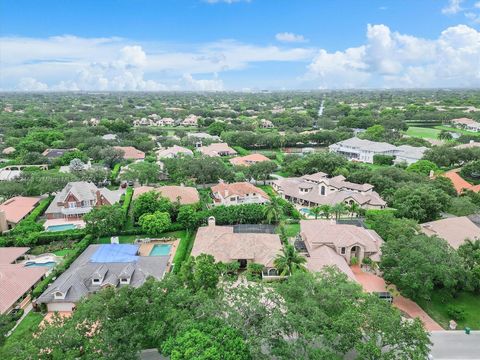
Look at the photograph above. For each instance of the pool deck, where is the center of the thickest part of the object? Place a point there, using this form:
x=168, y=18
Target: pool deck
x=80, y=224
x=145, y=249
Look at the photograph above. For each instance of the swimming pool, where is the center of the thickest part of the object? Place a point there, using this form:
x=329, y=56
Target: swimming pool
x=305, y=211
x=160, y=250
x=45, y=264
x=61, y=227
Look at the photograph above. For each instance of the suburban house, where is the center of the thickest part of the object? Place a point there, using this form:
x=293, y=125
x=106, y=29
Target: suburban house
x=467, y=124
x=327, y=243
x=8, y=151
x=238, y=193
x=15, y=210
x=248, y=159
x=185, y=195
x=131, y=153
x=227, y=245
x=16, y=280
x=454, y=230
x=190, y=120
x=98, y=267
x=166, y=122
x=361, y=150
x=459, y=183
x=469, y=145
x=78, y=198
x=318, y=189
x=173, y=152
x=266, y=124
x=52, y=154
x=217, y=149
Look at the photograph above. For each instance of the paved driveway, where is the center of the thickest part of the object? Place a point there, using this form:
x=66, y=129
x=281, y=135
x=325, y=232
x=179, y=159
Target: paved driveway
x=455, y=345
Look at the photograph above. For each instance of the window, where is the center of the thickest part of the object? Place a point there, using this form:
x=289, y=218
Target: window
x=343, y=251
x=124, y=281
x=232, y=199
x=59, y=295
x=96, y=281
x=72, y=204
x=322, y=190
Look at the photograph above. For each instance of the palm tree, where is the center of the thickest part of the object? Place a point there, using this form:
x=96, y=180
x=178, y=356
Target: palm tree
x=326, y=211
x=353, y=208
x=272, y=210
x=289, y=261
x=316, y=211
x=338, y=209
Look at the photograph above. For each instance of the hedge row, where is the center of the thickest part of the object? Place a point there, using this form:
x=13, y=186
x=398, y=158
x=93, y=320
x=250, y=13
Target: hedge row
x=115, y=172
x=183, y=250
x=126, y=207
x=39, y=210
x=78, y=249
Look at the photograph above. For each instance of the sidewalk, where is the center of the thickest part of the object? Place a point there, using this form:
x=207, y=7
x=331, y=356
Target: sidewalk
x=374, y=283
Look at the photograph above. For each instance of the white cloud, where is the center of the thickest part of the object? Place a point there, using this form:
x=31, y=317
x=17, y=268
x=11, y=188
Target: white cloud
x=477, y=5
x=391, y=59
x=31, y=84
x=289, y=37
x=453, y=7
x=202, y=85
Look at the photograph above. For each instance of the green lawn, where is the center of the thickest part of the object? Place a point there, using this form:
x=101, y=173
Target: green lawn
x=424, y=133
x=64, y=252
x=468, y=301
x=292, y=229
x=460, y=131
x=21, y=334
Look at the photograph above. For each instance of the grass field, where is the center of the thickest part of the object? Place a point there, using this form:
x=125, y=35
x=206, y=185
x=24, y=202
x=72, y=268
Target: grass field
x=424, y=133
x=292, y=229
x=23, y=332
x=460, y=131
x=468, y=301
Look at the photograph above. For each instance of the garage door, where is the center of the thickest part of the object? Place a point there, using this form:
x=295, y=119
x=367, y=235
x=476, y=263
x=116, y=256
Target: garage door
x=60, y=306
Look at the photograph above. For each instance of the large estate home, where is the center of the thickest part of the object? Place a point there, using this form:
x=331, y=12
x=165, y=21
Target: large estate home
x=15, y=210
x=318, y=189
x=185, y=195
x=17, y=279
x=467, y=124
x=80, y=197
x=361, y=150
x=238, y=193
x=248, y=160
x=98, y=267
x=227, y=245
x=327, y=243
x=173, y=152
x=217, y=149
x=454, y=230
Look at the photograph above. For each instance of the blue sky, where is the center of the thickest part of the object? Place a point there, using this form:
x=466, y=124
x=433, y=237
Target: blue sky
x=238, y=44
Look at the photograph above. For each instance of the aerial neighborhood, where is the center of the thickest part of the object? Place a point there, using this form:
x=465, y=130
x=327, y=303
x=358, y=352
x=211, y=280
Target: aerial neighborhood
x=145, y=220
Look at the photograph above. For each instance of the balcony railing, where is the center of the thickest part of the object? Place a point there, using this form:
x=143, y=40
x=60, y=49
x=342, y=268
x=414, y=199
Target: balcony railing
x=76, y=210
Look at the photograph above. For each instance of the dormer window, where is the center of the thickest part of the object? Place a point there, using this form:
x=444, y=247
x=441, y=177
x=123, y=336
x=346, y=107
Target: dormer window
x=125, y=281
x=96, y=281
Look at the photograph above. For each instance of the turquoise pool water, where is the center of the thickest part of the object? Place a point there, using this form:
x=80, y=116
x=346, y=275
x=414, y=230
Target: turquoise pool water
x=160, y=250
x=305, y=211
x=62, y=227
x=47, y=264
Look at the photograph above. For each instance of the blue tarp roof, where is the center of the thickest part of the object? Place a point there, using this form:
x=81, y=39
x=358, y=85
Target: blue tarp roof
x=115, y=253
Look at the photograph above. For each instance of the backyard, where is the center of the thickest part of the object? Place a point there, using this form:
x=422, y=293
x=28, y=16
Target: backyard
x=425, y=133
x=466, y=301
x=24, y=331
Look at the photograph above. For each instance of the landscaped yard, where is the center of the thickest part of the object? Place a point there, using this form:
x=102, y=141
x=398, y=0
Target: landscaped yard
x=64, y=252
x=23, y=332
x=425, y=133
x=292, y=230
x=129, y=239
x=460, y=131
x=468, y=301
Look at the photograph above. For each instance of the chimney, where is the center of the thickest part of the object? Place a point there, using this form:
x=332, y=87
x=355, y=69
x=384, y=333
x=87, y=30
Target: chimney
x=211, y=221
x=99, y=198
x=3, y=222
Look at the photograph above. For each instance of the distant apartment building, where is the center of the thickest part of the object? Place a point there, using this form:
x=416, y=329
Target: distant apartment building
x=238, y=193
x=361, y=150
x=79, y=198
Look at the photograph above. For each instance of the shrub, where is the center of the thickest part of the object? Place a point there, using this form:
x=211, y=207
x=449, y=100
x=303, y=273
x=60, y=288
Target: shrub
x=456, y=312
x=115, y=172
x=126, y=207
x=379, y=159
x=254, y=272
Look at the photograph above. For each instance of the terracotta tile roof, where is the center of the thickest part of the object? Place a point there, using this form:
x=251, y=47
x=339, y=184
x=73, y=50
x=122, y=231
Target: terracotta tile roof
x=16, y=280
x=459, y=183
x=188, y=195
x=216, y=149
x=9, y=254
x=453, y=230
x=226, y=246
x=239, y=188
x=248, y=159
x=131, y=153
x=18, y=207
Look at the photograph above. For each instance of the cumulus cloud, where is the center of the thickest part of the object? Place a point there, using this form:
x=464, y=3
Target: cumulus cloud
x=290, y=37
x=203, y=84
x=391, y=59
x=453, y=7
x=31, y=84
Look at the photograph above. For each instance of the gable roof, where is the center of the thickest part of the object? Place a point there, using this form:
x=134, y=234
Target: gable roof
x=248, y=159
x=18, y=207
x=216, y=148
x=8, y=255
x=454, y=230
x=173, y=151
x=459, y=183
x=131, y=153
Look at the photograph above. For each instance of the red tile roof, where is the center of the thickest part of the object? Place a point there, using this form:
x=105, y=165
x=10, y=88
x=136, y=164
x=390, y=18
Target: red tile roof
x=131, y=153
x=249, y=159
x=18, y=207
x=9, y=254
x=459, y=183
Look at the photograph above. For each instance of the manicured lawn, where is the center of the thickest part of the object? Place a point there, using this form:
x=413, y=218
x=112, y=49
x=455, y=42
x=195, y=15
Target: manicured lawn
x=425, y=133
x=460, y=131
x=21, y=334
x=64, y=252
x=292, y=229
x=470, y=302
